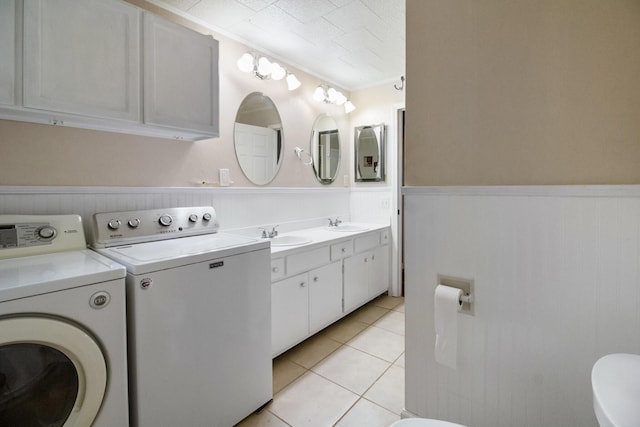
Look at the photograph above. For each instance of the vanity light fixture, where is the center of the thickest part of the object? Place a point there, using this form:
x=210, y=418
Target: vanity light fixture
x=266, y=69
x=330, y=95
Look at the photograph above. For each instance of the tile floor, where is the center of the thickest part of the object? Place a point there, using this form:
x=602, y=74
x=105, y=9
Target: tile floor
x=349, y=375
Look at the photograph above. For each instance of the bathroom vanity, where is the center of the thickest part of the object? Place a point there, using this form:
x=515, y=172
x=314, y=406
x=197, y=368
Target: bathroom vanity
x=315, y=283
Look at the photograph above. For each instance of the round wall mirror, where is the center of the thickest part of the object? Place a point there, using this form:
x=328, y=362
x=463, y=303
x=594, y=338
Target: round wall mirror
x=325, y=148
x=258, y=138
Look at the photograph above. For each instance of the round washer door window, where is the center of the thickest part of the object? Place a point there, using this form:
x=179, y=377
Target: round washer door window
x=51, y=374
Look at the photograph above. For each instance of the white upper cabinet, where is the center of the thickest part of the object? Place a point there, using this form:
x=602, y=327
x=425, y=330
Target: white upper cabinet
x=82, y=57
x=7, y=52
x=180, y=77
x=80, y=64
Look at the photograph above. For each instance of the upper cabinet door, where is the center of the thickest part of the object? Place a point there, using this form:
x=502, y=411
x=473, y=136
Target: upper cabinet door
x=82, y=57
x=7, y=52
x=180, y=77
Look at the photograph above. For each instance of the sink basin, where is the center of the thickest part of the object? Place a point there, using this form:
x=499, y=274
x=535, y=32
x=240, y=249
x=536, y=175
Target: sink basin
x=615, y=379
x=347, y=227
x=289, y=240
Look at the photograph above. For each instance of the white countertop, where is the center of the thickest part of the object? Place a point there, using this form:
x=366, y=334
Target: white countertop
x=322, y=235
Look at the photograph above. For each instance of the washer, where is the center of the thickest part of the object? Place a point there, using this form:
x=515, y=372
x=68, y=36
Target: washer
x=62, y=327
x=199, y=316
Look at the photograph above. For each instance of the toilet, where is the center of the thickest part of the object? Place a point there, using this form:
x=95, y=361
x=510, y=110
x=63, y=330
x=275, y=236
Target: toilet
x=423, y=422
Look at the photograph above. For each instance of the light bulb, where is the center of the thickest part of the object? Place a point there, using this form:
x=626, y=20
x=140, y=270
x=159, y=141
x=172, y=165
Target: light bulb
x=318, y=94
x=245, y=63
x=340, y=99
x=349, y=107
x=332, y=94
x=264, y=67
x=277, y=72
x=292, y=82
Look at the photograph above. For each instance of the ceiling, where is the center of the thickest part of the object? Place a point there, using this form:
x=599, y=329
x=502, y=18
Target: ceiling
x=350, y=43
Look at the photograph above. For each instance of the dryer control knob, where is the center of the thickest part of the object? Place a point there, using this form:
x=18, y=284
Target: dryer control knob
x=114, y=224
x=206, y=216
x=165, y=220
x=46, y=232
x=193, y=218
x=133, y=222
x=99, y=300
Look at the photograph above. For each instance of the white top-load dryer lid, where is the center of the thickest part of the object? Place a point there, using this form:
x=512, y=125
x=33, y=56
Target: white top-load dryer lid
x=147, y=257
x=39, y=274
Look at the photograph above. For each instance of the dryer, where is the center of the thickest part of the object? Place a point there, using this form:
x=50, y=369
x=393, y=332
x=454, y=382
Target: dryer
x=62, y=327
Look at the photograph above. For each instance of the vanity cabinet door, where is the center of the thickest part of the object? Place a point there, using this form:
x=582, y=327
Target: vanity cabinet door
x=325, y=296
x=289, y=312
x=82, y=57
x=180, y=78
x=380, y=271
x=7, y=52
x=357, y=270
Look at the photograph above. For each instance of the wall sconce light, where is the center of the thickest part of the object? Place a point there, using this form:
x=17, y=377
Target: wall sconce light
x=330, y=95
x=265, y=69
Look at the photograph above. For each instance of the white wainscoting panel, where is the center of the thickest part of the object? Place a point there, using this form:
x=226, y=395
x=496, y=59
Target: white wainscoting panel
x=235, y=207
x=557, y=286
x=371, y=205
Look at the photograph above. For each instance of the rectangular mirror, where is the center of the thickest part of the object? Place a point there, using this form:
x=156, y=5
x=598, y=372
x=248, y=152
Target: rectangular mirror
x=369, y=147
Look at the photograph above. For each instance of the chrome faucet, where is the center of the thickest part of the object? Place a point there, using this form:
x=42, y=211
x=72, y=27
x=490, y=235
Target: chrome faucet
x=271, y=234
x=335, y=222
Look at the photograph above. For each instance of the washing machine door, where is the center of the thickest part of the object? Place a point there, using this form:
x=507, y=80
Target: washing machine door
x=51, y=374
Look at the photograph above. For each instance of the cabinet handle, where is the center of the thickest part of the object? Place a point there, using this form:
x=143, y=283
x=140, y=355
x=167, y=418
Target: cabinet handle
x=315, y=279
x=373, y=257
x=274, y=269
x=302, y=284
x=366, y=260
x=344, y=250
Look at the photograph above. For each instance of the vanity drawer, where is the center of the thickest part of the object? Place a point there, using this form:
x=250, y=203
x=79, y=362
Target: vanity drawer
x=341, y=250
x=367, y=242
x=385, y=237
x=307, y=260
x=277, y=269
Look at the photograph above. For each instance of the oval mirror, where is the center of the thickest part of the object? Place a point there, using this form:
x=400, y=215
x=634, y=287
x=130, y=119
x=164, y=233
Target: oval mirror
x=258, y=138
x=369, y=151
x=325, y=148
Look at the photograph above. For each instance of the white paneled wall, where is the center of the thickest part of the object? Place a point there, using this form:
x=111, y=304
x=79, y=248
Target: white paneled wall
x=557, y=285
x=235, y=207
x=371, y=204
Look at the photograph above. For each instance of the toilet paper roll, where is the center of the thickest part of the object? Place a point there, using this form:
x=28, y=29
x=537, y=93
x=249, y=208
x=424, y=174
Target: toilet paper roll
x=446, y=306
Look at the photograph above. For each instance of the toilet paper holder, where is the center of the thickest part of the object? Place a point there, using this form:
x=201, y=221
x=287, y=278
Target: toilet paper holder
x=466, y=286
x=468, y=298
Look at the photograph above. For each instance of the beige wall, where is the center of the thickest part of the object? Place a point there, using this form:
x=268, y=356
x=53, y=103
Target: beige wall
x=523, y=92
x=32, y=154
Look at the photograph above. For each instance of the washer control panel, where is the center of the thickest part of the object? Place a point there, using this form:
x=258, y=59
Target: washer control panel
x=23, y=235
x=118, y=228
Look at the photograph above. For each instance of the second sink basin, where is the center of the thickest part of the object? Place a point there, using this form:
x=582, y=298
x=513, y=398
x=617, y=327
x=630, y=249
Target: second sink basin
x=347, y=227
x=289, y=240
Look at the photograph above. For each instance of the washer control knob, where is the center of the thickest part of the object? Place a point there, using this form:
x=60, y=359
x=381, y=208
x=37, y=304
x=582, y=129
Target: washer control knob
x=165, y=220
x=134, y=222
x=114, y=224
x=193, y=218
x=46, y=232
x=206, y=216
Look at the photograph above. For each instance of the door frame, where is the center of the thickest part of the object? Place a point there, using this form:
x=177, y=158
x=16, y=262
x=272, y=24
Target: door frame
x=396, y=154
